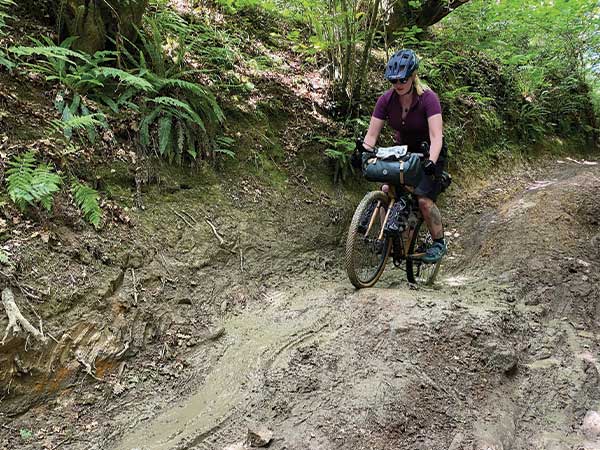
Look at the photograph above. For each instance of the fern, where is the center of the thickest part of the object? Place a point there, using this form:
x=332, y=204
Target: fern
x=29, y=184
x=19, y=179
x=126, y=78
x=77, y=122
x=180, y=109
x=44, y=184
x=164, y=134
x=5, y=5
x=223, y=145
x=86, y=199
x=50, y=52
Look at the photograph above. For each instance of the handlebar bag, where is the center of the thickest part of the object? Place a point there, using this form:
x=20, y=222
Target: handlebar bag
x=406, y=171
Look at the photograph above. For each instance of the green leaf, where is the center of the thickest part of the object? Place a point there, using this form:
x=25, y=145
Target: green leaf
x=29, y=184
x=126, y=78
x=87, y=199
x=164, y=134
x=180, y=106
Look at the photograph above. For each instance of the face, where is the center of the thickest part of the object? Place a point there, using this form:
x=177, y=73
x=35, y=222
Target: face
x=403, y=89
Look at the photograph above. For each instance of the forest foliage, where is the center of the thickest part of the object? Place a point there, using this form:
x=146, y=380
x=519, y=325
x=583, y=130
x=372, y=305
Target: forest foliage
x=509, y=73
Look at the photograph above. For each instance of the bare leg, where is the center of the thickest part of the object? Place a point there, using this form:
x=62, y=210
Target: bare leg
x=432, y=217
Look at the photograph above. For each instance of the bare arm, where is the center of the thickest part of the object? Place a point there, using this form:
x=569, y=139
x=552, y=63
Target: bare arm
x=375, y=127
x=436, y=134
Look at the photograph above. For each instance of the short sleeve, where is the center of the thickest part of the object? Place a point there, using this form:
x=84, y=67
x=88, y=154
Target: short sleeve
x=431, y=104
x=380, y=111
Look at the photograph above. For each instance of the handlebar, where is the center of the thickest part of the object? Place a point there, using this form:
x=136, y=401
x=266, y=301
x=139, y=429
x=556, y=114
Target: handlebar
x=360, y=148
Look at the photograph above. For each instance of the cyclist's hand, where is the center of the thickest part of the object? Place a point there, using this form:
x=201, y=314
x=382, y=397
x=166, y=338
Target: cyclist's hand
x=360, y=147
x=429, y=167
x=356, y=160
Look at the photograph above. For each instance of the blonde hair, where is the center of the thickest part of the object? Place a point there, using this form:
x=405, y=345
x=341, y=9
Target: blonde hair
x=420, y=87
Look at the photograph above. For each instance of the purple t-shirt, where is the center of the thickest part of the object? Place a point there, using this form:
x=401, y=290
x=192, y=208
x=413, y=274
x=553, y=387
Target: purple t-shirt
x=414, y=128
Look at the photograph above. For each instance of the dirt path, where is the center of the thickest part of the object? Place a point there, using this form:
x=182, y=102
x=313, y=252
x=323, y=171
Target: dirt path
x=502, y=354
x=471, y=364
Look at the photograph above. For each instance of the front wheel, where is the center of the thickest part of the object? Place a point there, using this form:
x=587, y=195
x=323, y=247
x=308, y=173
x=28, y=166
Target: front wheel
x=367, y=250
x=416, y=270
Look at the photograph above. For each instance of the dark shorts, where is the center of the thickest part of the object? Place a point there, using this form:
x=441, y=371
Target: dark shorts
x=431, y=185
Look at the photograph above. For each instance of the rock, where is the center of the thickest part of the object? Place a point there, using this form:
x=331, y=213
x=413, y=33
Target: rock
x=591, y=425
x=259, y=437
x=501, y=359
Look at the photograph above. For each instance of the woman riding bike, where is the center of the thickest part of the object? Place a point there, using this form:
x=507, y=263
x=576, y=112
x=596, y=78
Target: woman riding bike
x=413, y=110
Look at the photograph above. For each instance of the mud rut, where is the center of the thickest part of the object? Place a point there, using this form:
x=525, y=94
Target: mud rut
x=501, y=354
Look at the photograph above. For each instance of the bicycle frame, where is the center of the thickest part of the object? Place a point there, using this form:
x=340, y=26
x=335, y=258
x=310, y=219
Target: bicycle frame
x=407, y=193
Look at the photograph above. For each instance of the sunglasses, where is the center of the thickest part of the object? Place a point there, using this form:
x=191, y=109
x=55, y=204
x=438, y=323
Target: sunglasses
x=399, y=80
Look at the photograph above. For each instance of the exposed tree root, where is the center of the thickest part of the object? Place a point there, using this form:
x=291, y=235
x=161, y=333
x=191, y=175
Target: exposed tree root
x=16, y=321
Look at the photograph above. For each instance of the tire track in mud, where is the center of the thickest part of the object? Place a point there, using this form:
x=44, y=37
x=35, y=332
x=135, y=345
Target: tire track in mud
x=215, y=432
x=254, y=342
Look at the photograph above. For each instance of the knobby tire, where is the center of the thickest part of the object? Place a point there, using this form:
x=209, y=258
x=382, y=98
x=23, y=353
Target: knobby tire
x=361, y=249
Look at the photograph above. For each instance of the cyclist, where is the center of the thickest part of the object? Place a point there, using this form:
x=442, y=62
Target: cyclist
x=413, y=110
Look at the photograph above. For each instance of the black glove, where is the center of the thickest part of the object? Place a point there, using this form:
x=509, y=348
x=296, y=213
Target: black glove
x=359, y=145
x=429, y=167
x=356, y=160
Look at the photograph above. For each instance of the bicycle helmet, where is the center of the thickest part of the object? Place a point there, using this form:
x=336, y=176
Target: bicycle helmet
x=401, y=65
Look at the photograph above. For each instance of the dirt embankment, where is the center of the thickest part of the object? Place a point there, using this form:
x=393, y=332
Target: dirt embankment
x=208, y=339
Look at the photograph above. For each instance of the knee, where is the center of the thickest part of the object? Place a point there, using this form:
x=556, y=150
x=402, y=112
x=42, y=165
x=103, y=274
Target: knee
x=425, y=205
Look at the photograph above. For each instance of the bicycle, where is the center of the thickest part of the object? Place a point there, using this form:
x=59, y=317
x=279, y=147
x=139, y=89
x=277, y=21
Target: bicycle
x=390, y=224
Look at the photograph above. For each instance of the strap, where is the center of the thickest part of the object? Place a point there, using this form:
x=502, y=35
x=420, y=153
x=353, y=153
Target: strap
x=401, y=172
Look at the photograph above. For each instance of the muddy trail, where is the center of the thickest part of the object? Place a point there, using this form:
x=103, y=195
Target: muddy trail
x=272, y=346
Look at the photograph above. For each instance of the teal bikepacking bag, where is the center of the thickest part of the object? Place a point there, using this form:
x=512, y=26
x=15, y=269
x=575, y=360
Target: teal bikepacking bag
x=391, y=168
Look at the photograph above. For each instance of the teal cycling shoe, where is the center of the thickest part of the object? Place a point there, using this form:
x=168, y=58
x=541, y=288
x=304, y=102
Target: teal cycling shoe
x=434, y=253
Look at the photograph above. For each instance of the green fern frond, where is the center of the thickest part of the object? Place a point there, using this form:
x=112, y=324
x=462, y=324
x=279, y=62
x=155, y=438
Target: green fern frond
x=87, y=199
x=191, y=150
x=126, y=78
x=164, y=134
x=193, y=88
x=204, y=96
x=44, y=184
x=50, y=52
x=4, y=61
x=145, y=126
x=180, y=106
x=28, y=184
x=223, y=145
x=5, y=5
x=69, y=123
x=19, y=178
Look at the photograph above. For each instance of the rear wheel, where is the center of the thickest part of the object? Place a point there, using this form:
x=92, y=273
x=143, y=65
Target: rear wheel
x=366, y=254
x=417, y=271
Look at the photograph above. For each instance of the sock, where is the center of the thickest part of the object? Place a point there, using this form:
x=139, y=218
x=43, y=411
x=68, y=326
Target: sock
x=440, y=241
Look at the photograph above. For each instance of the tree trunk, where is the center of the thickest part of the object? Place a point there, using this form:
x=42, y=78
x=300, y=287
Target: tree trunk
x=362, y=71
x=429, y=12
x=98, y=22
